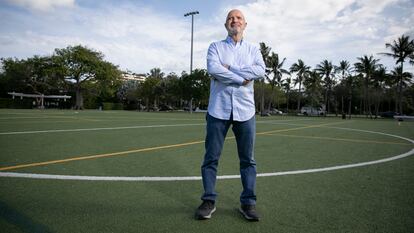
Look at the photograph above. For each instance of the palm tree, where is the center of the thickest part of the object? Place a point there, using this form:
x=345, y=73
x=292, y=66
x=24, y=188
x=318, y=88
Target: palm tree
x=286, y=86
x=313, y=86
x=326, y=69
x=378, y=81
x=400, y=78
x=301, y=71
x=345, y=70
x=366, y=67
x=401, y=49
x=390, y=86
x=350, y=83
x=156, y=73
x=265, y=50
x=278, y=71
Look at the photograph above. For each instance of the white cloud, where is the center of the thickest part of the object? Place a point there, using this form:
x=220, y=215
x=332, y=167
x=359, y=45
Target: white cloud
x=42, y=5
x=318, y=30
x=139, y=38
x=134, y=38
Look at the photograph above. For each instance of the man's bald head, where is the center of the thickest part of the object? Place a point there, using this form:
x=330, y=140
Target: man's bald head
x=235, y=22
x=234, y=11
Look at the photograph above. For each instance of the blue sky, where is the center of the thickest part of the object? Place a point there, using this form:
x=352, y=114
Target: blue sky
x=142, y=34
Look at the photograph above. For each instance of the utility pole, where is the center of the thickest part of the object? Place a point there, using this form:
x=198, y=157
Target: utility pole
x=191, y=57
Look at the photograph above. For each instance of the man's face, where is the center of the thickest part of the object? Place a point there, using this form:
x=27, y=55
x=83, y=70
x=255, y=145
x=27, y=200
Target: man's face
x=235, y=22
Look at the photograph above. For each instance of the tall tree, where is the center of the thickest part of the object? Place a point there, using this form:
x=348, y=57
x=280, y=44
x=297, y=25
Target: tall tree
x=378, y=81
x=107, y=81
x=351, y=83
x=81, y=65
x=15, y=75
x=196, y=86
x=156, y=73
x=401, y=79
x=401, y=49
x=366, y=67
x=32, y=75
x=326, y=69
x=157, y=86
x=150, y=90
x=344, y=69
x=313, y=87
x=286, y=84
x=302, y=71
x=174, y=92
x=265, y=51
x=277, y=71
x=128, y=94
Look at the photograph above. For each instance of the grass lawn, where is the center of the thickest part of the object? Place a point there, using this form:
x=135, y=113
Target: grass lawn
x=119, y=144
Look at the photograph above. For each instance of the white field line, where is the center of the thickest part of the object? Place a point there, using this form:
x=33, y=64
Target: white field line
x=35, y=117
x=118, y=128
x=96, y=129
x=187, y=178
x=281, y=121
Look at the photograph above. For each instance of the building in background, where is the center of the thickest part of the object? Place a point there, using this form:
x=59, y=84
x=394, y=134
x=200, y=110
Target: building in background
x=128, y=75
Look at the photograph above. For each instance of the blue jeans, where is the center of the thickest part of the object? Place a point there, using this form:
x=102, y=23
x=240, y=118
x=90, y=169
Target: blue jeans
x=245, y=133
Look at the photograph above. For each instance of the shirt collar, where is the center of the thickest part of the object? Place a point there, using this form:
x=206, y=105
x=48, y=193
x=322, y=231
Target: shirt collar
x=230, y=40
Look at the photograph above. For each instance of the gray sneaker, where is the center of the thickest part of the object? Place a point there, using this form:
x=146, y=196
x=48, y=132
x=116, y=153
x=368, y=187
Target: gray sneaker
x=205, y=210
x=249, y=212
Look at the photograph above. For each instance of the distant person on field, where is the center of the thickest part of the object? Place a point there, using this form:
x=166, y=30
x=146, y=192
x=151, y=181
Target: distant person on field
x=234, y=64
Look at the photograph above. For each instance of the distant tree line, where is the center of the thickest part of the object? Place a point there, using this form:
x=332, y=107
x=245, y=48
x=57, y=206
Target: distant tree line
x=167, y=92
x=83, y=73
x=365, y=87
x=77, y=71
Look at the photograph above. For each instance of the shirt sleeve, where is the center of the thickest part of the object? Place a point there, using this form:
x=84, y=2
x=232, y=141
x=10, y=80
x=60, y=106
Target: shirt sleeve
x=218, y=71
x=253, y=72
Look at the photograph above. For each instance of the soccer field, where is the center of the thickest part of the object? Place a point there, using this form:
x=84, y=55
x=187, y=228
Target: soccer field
x=119, y=171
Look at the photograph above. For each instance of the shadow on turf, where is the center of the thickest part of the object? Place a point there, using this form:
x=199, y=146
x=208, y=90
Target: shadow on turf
x=20, y=220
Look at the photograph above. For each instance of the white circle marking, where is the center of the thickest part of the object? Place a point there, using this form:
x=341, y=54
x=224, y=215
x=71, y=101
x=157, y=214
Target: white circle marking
x=188, y=178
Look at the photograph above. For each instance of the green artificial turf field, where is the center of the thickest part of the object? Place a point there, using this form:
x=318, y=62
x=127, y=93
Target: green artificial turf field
x=160, y=155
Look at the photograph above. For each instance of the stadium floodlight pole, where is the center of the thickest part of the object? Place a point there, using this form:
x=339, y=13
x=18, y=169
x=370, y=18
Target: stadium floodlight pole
x=192, y=29
x=191, y=56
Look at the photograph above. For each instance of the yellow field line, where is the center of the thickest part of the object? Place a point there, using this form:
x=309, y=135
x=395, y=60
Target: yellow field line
x=39, y=117
x=340, y=139
x=97, y=156
x=298, y=128
x=43, y=118
x=38, y=122
x=158, y=118
x=144, y=149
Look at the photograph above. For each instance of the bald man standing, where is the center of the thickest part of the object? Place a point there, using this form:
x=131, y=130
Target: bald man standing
x=233, y=65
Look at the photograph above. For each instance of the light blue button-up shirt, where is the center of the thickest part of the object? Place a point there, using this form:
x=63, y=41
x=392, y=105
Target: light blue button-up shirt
x=227, y=94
